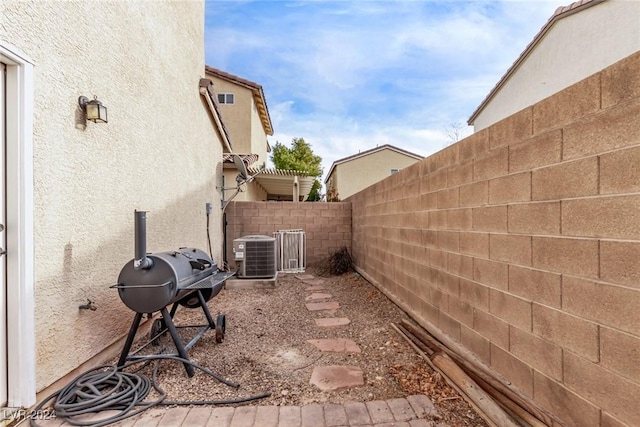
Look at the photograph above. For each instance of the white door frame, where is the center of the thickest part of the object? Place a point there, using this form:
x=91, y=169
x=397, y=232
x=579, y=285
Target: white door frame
x=19, y=228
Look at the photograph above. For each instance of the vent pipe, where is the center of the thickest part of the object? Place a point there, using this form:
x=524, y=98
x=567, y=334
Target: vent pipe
x=140, y=261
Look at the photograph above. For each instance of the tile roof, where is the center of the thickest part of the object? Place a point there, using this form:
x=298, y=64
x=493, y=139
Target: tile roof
x=561, y=12
x=258, y=94
x=248, y=159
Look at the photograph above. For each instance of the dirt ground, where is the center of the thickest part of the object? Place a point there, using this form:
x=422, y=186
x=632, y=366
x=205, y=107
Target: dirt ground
x=265, y=349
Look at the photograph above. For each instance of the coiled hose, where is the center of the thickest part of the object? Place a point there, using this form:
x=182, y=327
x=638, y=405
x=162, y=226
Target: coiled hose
x=108, y=388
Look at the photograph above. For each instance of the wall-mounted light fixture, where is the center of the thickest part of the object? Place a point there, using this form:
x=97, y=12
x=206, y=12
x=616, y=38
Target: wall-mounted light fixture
x=94, y=110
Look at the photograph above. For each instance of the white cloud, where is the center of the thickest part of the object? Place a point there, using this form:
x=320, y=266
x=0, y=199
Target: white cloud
x=350, y=75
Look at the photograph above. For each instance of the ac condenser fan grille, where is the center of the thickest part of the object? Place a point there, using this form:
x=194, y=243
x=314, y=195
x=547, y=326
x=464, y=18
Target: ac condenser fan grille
x=260, y=259
x=255, y=256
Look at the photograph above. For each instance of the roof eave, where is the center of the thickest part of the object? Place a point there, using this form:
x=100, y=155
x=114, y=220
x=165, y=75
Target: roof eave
x=256, y=90
x=561, y=12
x=206, y=91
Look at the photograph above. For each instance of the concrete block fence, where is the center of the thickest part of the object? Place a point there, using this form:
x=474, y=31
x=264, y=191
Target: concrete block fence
x=327, y=226
x=521, y=243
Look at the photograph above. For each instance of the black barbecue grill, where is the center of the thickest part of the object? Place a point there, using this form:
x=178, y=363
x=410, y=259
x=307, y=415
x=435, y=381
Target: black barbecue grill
x=151, y=282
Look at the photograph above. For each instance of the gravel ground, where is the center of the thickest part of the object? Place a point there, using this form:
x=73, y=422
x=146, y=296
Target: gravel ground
x=265, y=350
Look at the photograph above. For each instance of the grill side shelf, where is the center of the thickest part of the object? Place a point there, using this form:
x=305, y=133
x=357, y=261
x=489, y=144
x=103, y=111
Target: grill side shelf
x=211, y=281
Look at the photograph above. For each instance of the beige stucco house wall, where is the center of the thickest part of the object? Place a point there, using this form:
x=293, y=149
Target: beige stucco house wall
x=577, y=41
x=248, y=122
x=354, y=173
x=153, y=154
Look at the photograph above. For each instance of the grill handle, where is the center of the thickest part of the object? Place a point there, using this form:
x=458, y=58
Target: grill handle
x=154, y=285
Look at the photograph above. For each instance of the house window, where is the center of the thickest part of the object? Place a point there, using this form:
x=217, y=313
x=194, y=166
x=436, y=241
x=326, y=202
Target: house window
x=225, y=98
x=394, y=170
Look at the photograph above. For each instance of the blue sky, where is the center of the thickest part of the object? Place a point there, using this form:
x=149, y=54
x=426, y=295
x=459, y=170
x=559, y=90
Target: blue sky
x=348, y=76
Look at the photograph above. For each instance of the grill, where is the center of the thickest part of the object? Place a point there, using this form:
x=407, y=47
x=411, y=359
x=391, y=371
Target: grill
x=171, y=277
x=151, y=282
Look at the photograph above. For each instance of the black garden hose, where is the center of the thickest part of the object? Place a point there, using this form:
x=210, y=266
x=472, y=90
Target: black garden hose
x=108, y=387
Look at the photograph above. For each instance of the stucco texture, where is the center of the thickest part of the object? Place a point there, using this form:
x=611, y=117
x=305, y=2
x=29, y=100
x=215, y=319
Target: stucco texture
x=361, y=172
x=159, y=153
x=574, y=48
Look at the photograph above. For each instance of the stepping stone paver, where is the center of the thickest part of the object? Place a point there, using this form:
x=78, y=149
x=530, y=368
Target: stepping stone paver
x=317, y=306
x=267, y=416
x=336, y=345
x=314, y=282
x=317, y=296
x=312, y=416
x=304, y=276
x=357, y=413
x=329, y=322
x=401, y=409
x=336, y=377
x=380, y=412
x=423, y=406
x=315, y=288
x=334, y=415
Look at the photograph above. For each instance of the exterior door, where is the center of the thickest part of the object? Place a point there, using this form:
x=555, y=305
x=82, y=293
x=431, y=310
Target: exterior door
x=3, y=239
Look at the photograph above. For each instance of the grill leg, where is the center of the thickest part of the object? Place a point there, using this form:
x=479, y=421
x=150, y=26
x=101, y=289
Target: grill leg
x=174, y=308
x=176, y=340
x=130, y=338
x=207, y=313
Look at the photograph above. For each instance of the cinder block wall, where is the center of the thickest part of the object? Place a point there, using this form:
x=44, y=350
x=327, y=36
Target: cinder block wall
x=522, y=244
x=327, y=226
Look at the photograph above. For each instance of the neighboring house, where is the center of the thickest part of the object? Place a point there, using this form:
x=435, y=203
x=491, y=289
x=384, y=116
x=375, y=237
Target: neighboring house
x=576, y=42
x=244, y=109
x=351, y=174
x=72, y=185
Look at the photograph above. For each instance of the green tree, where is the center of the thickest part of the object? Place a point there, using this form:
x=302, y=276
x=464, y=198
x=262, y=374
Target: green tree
x=298, y=157
x=314, y=193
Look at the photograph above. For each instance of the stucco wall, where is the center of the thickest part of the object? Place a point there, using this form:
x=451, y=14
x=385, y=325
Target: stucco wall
x=575, y=47
x=357, y=174
x=258, y=137
x=236, y=115
x=242, y=120
x=521, y=243
x=327, y=226
x=155, y=154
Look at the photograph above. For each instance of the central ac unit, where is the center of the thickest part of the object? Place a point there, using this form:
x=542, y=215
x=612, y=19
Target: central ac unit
x=255, y=256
